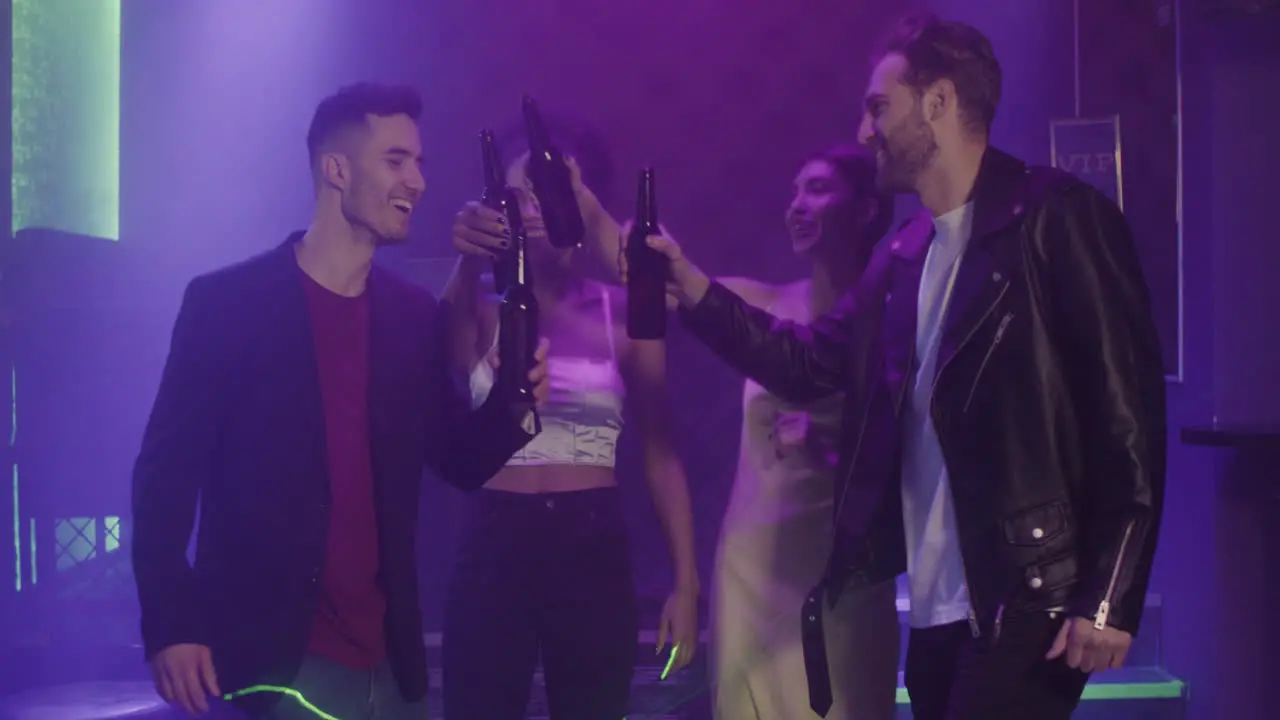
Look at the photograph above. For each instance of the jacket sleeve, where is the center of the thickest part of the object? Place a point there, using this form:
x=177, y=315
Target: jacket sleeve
x=1101, y=315
x=466, y=447
x=173, y=464
x=800, y=363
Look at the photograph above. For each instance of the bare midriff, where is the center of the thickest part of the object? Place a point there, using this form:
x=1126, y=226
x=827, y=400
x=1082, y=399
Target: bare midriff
x=551, y=478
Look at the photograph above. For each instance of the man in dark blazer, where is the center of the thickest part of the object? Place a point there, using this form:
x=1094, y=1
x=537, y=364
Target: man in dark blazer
x=304, y=392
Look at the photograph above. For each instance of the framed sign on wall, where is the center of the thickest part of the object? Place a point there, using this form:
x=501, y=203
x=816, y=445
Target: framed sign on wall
x=1090, y=149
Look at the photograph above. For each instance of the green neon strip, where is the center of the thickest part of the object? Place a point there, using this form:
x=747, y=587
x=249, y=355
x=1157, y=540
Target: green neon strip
x=17, y=515
x=34, y=577
x=17, y=535
x=1162, y=688
x=671, y=660
x=1166, y=690
x=290, y=692
x=66, y=116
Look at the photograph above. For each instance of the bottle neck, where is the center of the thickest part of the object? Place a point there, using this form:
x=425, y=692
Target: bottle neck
x=520, y=254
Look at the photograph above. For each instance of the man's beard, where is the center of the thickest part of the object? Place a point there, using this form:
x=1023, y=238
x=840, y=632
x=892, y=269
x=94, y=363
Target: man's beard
x=904, y=153
x=382, y=234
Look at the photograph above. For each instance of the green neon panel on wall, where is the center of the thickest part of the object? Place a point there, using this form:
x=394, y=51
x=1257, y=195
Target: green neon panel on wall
x=66, y=116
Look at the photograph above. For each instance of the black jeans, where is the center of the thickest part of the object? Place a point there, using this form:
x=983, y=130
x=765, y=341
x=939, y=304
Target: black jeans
x=952, y=676
x=545, y=574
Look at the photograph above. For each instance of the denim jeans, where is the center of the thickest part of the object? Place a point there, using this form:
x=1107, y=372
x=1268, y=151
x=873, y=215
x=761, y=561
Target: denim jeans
x=330, y=689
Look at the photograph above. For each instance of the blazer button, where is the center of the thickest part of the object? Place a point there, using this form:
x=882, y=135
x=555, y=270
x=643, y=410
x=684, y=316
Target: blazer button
x=1035, y=583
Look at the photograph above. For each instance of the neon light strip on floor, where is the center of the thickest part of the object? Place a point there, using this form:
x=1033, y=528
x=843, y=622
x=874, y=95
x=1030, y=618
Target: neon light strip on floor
x=1167, y=690
x=287, y=692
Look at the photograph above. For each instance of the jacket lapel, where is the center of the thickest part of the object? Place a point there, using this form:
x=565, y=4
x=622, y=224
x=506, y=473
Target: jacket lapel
x=983, y=275
x=297, y=347
x=907, y=250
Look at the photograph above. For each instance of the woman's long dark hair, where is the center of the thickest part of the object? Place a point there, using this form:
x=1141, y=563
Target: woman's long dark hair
x=857, y=167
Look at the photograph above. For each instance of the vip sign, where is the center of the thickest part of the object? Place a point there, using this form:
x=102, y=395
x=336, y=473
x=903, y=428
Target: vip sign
x=1090, y=150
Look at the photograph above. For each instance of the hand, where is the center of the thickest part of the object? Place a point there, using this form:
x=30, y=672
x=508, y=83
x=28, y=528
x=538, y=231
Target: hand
x=791, y=428
x=480, y=230
x=184, y=677
x=680, y=622
x=1089, y=649
x=687, y=284
x=538, y=375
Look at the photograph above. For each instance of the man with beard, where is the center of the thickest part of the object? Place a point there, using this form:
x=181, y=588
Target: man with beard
x=1004, y=420
x=304, y=391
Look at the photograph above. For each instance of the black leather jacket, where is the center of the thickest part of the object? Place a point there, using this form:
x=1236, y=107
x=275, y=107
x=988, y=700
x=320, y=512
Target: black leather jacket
x=1049, y=399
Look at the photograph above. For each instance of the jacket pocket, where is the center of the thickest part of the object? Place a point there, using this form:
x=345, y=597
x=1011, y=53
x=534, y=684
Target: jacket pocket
x=1037, y=526
x=1043, y=579
x=1040, y=545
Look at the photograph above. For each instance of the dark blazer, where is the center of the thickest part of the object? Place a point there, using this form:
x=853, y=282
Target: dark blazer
x=238, y=428
x=1048, y=401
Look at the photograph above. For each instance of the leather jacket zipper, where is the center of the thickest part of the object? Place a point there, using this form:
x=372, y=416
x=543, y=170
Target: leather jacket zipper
x=848, y=474
x=975, y=628
x=995, y=342
x=1104, y=607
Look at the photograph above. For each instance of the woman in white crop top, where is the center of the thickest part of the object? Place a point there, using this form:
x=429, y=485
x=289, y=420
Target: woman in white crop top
x=543, y=570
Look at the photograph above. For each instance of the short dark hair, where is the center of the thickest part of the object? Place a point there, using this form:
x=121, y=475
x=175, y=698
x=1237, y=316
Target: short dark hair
x=936, y=49
x=351, y=106
x=858, y=169
x=576, y=139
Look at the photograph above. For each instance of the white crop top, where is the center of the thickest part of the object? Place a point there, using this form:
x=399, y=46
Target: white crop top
x=582, y=416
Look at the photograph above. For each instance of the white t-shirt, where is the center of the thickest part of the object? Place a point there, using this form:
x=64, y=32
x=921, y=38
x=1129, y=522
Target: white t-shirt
x=935, y=569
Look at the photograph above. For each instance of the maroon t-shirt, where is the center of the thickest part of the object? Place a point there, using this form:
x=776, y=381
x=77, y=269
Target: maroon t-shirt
x=348, y=626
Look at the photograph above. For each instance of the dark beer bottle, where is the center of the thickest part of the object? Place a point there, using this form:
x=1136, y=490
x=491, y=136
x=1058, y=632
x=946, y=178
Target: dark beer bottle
x=518, y=311
x=552, y=184
x=647, y=269
x=496, y=196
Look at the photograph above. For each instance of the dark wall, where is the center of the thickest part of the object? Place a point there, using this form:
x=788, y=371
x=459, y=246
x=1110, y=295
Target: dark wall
x=1231, y=79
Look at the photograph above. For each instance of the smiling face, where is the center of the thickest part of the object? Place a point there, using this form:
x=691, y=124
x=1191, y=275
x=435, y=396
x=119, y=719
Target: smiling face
x=383, y=177
x=894, y=127
x=822, y=208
